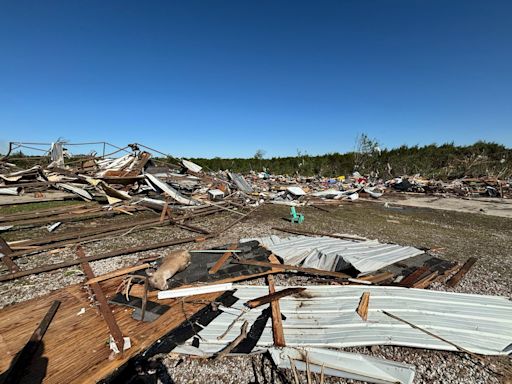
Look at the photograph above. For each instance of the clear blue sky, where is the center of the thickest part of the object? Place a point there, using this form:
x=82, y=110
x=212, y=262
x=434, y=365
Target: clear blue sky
x=225, y=78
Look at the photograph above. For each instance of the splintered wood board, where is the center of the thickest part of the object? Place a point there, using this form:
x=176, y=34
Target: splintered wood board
x=76, y=345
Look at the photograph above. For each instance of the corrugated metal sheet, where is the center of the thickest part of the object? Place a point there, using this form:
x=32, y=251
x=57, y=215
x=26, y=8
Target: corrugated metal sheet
x=344, y=364
x=240, y=182
x=324, y=316
x=336, y=254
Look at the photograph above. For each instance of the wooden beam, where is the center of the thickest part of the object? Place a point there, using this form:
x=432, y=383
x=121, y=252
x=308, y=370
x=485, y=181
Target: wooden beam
x=379, y=278
x=454, y=280
x=362, y=308
x=23, y=359
x=118, y=252
x=413, y=277
x=103, y=306
x=222, y=260
x=426, y=281
x=311, y=233
x=287, y=267
x=277, y=321
x=5, y=252
x=259, y=301
x=119, y=272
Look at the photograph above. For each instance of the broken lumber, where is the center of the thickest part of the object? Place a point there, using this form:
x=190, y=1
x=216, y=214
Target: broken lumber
x=362, y=308
x=5, y=255
x=277, y=321
x=119, y=252
x=293, y=268
x=23, y=358
x=119, y=272
x=311, y=233
x=222, y=260
x=103, y=306
x=259, y=301
x=454, y=280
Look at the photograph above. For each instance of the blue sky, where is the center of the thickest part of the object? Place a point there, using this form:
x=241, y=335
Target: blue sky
x=225, y=78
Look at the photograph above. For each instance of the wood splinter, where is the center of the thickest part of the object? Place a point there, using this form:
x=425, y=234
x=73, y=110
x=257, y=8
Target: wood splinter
x=362, y=308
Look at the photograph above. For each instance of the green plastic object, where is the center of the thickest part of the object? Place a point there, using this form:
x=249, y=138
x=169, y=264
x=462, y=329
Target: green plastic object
x=296, y=217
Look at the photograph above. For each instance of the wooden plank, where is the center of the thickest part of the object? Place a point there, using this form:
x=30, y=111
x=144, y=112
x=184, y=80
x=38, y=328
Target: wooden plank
x=118, y=252
x=413, y=277
x=23, y=359
x=277, y=321
x=311, y=233
x=379, y=278
x=75, y=345
x=5, y=252
x=117, y=273
x=426, y=281
x=222, y=260
x=362, y=308
x=101, y=299
x=287, y=267
x=454, y=280
x=259, y=301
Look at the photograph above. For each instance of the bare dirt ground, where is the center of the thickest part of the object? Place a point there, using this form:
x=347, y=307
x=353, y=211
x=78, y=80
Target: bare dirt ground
x=491, y=206
x=454, y=236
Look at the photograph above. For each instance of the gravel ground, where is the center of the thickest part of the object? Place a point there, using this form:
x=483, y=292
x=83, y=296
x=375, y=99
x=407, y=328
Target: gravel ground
x=455, y=236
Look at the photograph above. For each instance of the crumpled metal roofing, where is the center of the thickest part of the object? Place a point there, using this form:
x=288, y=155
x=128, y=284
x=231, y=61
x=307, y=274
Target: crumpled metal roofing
x=353, y=366
x=325, y=316
x=333, y=254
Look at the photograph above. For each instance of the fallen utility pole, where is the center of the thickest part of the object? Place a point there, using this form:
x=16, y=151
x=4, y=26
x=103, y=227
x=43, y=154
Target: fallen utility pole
x=259, y=301
x=23, y=359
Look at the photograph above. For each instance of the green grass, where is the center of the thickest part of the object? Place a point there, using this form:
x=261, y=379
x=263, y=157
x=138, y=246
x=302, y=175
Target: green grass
x=28, y=207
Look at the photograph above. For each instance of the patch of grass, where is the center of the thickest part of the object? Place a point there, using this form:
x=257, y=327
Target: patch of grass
x=28, y=207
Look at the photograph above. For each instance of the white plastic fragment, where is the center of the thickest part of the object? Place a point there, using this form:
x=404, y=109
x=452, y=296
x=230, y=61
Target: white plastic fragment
x=194, y=290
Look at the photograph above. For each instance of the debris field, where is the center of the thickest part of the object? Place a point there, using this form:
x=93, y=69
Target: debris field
x=138, y=267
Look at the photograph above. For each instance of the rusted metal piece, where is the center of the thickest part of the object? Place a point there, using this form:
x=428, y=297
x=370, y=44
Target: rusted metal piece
x=5, y=255
x=23, y=359
x=100, y=298
x=454, y=280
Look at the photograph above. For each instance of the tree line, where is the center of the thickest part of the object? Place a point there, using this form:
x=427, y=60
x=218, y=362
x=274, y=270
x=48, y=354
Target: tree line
x=446, y=161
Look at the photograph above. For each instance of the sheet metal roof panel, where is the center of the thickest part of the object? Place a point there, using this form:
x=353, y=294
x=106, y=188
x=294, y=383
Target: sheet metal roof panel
x=324, y=252
x=326, y=316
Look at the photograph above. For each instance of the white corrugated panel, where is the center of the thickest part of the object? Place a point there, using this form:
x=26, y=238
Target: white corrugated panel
x=327, y=252
x=344, y=364
x=325, y=316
